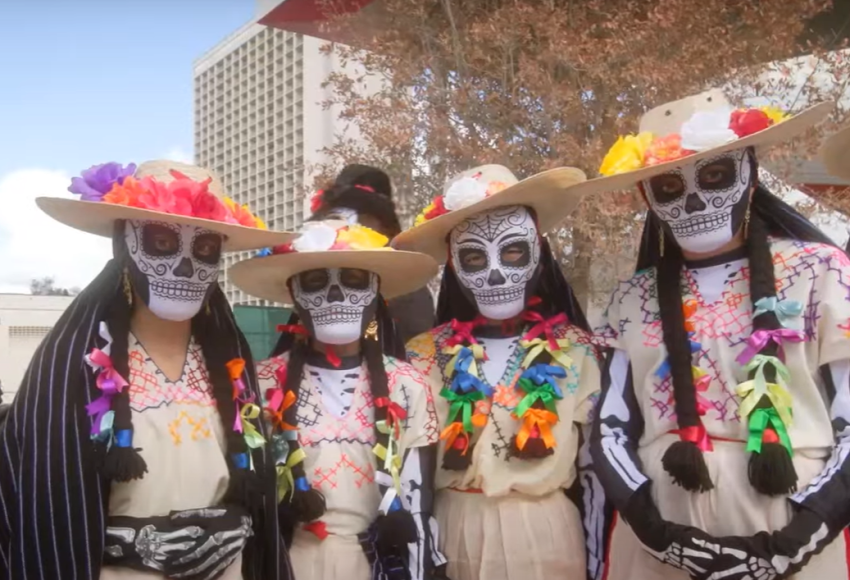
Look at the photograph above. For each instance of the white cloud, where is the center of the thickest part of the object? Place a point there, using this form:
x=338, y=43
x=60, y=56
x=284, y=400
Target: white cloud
x=179, y=154
x=33, y=245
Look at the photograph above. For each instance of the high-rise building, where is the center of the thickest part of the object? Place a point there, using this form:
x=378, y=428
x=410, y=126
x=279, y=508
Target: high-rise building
x=260, y=123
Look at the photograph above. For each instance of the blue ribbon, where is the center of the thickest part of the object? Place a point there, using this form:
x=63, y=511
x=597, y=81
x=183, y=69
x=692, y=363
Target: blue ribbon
x=301, y=484
x=540, y=374
x=395, y=505
x=785, y=310
x=664, y=370
x=124, y=438
x=240, y=460
x=264, y=252
x=464, y=382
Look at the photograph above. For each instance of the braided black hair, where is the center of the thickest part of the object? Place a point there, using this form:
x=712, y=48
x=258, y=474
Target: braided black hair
x=771, y=471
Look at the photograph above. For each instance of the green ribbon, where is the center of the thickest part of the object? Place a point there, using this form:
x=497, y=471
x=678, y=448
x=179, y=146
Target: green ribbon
x=759, y=421
x=533, y=393
x=461, y=403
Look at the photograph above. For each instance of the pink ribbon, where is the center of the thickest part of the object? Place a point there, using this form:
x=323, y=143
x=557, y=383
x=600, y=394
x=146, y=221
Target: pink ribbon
x=701, y=386
x=110, y=383
x=760, y=339
x=544, y=326
x=697, y=435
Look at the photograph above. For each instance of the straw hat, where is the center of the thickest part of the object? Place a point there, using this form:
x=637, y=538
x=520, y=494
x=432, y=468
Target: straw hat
x=106, y=194
x=695, y=128
x=333, y=244
x=486, y=187
x=835, y=153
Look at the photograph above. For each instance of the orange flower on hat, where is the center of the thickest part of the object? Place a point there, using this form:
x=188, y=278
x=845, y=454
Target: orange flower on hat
x=665, y=149
x=127, y=193
x=495, y=187
x=242, y=215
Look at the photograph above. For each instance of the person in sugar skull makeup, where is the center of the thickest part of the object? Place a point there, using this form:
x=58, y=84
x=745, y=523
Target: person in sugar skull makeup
x=721, y=430
x=363, y=194
x=514, y=374
x=132, y=450
x=354, y=425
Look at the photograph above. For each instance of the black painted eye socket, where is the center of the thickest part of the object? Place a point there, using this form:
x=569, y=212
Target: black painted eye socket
x=313, y=280
x=160, y=241
x=354, y=278
x=667, y=188
x=207, y=248
x=515, y=255
x=472, y=259
x=717, y=175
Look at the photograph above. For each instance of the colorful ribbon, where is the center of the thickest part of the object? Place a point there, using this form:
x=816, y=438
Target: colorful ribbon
x=664, y=368
x=391, y=459
x=785, y=310
x=462, y=404
x=752, y=392
x=464, y=358
x=758, y=364
x=277, y=405
x=538, y=345
x=759, y=422
x=296, y=329
x=318, y=529
x=689, y=308
x=462, y=332
x=285, y=480
x=452, y=432
x=110, y=383
x=544, y=326
x=540, y=420
x=547, y=393
x=760, y=339
x=696, y=434
x=253, y=438
x=395, y=415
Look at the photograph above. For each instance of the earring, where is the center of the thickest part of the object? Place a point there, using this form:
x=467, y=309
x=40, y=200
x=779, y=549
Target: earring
x=747, y=223
x=128, y=288
x=372, y=330
x=661, y=241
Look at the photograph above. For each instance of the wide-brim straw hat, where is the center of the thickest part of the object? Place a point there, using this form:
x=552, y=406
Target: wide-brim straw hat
x=400, y=272
x=549, y=194
x=668, y=120
x=835, y=153
x=99, y=217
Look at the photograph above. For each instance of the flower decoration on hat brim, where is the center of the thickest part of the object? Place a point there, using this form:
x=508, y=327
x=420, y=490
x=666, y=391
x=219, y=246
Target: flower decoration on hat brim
x=114, y=184
x=705, y=130
x=463, y=193
x=324, y=237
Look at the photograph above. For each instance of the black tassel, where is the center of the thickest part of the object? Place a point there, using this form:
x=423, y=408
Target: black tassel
x=535, y=448
x=307, y=505
x=683, y=460
x=397, y=528
x=772, y=471
x=124, y=464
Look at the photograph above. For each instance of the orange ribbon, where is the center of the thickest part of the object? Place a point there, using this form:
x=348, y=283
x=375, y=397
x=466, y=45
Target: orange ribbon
x=688, y=309
x=539, y=419
x=277, y=408
x=452, y=432
x=235, y=368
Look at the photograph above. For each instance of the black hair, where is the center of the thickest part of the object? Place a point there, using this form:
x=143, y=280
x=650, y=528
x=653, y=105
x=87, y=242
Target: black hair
x=375, y=201
x=220, y=340
x=307, y=504
x=771, y=471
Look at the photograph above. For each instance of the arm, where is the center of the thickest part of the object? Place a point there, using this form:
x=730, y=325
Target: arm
x=417, y=480
x=596, y=512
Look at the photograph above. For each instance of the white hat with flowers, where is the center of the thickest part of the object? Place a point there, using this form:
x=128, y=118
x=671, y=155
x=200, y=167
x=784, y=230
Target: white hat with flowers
x=486, y=187
x=695, y=128
x=333, y=244
x=165, y=191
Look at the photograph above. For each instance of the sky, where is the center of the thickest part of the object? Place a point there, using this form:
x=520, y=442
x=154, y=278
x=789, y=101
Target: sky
x=84, y=82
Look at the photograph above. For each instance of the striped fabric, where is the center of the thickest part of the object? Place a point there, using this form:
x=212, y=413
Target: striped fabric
x=53, y=501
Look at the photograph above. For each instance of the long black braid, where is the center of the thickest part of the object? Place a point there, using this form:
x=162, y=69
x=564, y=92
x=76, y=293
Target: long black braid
x=771, y=471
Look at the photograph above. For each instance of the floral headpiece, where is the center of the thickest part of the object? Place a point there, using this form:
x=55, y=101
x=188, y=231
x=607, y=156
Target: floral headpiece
x=113, y=183
x=324, y=237
x=703, y=131
x=462, y=193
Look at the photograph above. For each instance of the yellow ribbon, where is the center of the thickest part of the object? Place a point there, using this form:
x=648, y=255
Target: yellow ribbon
x=477, y=354
x=392, y=463
x=754, y=390
x=285, y=480
x=253, y=439
x=539, y=345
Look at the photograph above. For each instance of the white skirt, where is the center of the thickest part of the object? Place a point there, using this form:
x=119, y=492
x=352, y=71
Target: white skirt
x=517, y=537
x=334, y=558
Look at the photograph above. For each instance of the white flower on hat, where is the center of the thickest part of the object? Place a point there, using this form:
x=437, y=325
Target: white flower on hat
x=316, y=237
x=707, y=129
x=463, y=193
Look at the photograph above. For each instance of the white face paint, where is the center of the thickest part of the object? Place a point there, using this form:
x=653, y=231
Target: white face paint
x=495, y=256
x=703, y=205
x=173, y=266
x=336, y=304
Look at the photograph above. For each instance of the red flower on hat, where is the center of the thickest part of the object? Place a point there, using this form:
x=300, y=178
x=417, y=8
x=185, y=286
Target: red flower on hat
x=316, y=201
x=748, y=121
x=438, y=209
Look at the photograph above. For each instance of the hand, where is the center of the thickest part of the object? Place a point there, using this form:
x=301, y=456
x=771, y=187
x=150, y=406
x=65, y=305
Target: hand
x=735, y=559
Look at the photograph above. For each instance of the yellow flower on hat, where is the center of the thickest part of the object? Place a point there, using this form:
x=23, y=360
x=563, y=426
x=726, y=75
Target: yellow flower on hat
x=627, y=154
x=775, y=114
x=358, y=237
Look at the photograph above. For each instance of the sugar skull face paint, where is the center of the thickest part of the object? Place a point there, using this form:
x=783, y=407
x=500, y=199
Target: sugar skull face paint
x=336, y=304
x=172, y=267
x=496, y=255
x=703, y=205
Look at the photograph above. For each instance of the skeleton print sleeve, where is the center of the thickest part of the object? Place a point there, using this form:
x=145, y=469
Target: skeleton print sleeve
x=418, y=487
x=595, y=510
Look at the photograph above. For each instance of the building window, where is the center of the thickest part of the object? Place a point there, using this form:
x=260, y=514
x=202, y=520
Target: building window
x=29, y=331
